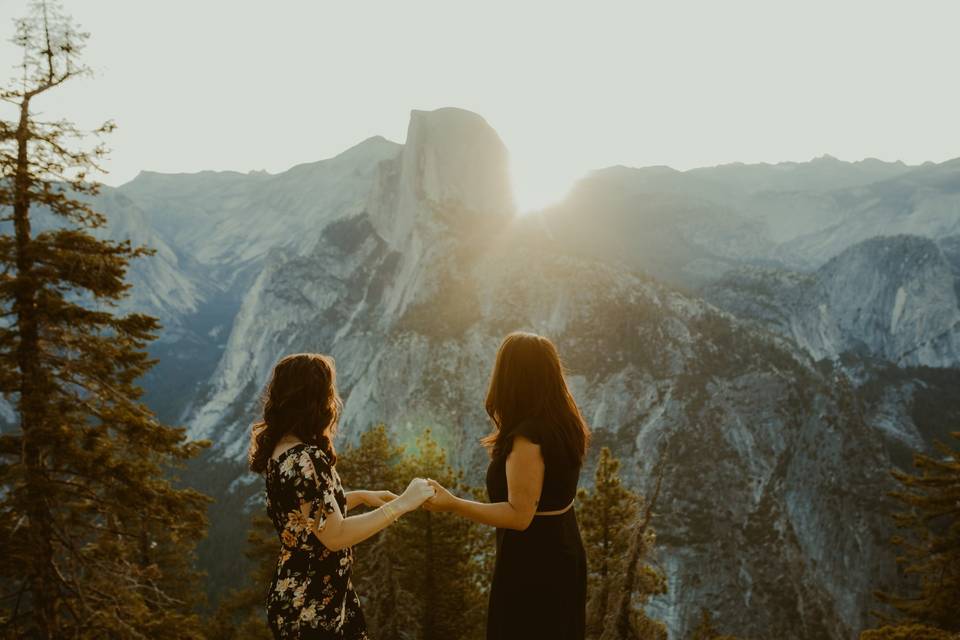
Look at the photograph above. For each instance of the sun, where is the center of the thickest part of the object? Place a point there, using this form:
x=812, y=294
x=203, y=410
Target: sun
x=538, y=185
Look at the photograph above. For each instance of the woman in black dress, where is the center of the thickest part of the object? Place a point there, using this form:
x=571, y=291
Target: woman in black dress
x=539, y=585
x=311, y=595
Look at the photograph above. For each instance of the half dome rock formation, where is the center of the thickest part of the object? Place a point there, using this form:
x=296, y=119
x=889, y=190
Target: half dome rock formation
x=452, y=161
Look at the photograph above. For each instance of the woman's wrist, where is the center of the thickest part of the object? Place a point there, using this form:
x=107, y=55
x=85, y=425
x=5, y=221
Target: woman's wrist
x=401, y=505
x=391, y=511
x=457, y=504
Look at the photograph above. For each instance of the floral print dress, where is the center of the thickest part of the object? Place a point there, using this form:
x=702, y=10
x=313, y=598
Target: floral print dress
x=311, y=595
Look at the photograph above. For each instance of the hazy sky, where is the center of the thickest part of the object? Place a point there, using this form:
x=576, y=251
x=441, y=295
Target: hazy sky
x=570, y=86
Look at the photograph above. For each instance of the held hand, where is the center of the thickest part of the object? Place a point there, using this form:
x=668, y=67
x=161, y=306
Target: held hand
x=415, y=494
x=376, y=499
x=442, y=500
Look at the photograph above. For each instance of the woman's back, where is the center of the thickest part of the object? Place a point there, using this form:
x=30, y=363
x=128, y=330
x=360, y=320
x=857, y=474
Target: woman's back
x=561, y=468
x=289, y=477
x=297, y=603
x=539, y=582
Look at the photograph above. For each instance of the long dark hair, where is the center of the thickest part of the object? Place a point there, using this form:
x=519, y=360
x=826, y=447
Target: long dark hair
x=528, y=382
x=300, y=399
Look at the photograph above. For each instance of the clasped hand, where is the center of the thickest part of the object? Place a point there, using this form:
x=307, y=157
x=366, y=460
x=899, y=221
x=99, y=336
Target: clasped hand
x=425, y=492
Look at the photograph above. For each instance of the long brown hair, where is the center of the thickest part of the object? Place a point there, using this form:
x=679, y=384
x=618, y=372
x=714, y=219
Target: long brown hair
x=528, y=382
x=300, y=399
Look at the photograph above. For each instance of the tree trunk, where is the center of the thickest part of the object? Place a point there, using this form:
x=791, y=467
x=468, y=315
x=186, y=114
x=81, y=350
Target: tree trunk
x=429, y=619
x=43, y=581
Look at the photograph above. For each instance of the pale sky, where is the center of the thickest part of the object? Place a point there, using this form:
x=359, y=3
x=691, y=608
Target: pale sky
x=570, y=86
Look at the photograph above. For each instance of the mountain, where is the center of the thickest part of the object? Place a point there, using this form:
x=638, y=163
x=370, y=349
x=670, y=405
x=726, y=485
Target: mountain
x=160, y=285
x=891, y=297
x=950, y=245
x=820, y=175
x=227, y=221
x=668, y=223
x=691, y=227
x=923, y=202
x=223, y=225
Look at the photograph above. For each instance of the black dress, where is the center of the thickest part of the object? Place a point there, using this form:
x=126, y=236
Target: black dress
x=539, y=587
x=311, y=595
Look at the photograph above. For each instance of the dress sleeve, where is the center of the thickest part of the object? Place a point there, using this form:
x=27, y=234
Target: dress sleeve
x=314, y=485
x=529, y=429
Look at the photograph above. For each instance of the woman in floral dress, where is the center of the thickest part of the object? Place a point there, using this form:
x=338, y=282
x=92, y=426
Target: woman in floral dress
x=311, y=595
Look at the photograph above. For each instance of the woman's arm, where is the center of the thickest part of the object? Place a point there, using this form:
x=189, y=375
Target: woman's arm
x=355, y=498
x=368, y=498
x=338, y=532
x=524, y=484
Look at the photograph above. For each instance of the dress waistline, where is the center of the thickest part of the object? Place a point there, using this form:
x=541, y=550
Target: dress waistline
x=558, y=512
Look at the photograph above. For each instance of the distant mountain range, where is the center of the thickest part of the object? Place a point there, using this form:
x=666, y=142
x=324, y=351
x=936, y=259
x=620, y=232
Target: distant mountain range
x=785, y=333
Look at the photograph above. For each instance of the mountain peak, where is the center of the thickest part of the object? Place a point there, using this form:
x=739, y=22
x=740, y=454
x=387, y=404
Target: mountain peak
x=450, y=115
x=374, y=145
x=365, y=153
x=452, y=161
x=452, y=156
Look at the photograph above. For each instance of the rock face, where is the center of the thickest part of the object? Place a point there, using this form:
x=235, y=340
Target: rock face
x=407, y=263
x=223, y=226
x=228, y=221
x=452, y=160
x=922, y=202
x=893, y=298
x=161, y=285
x=950, y=245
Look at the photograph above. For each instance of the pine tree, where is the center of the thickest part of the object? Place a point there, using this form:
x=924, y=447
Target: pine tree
x=622, y=519
x=604, y=515
x=929, y=547
x=440, y=557
x=376, y=464
x=97, y=541
x=241, y=613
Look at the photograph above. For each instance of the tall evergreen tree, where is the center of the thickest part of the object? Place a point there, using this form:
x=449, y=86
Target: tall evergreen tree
x=96, y=540
x=604, y=514
x=929, y=546
x=620, y=540
x=241, y=613
x=376, y=463
x=440, y=557
x=608, y=514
